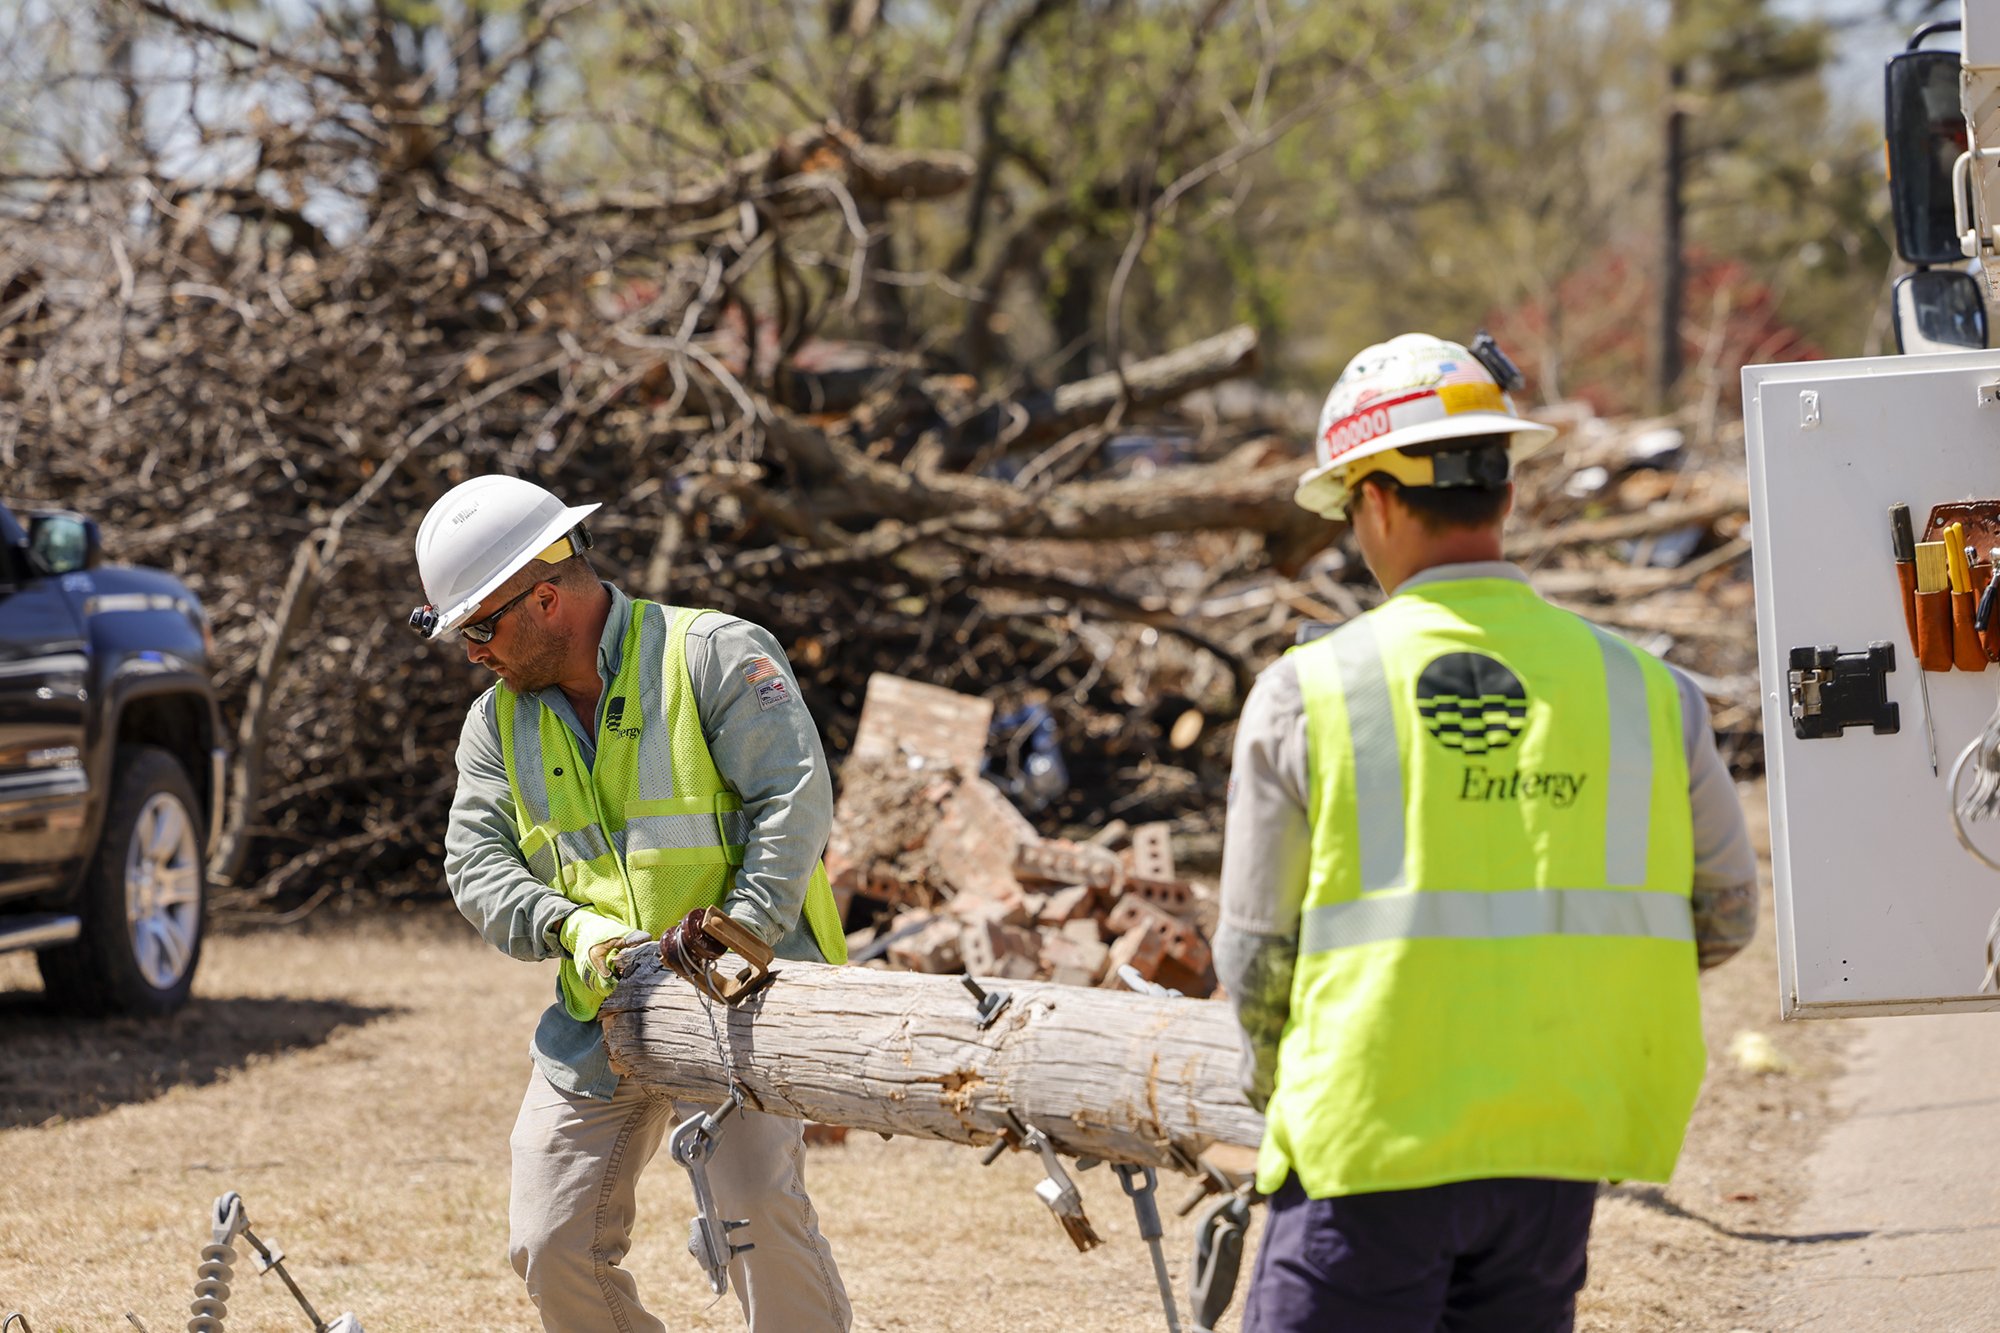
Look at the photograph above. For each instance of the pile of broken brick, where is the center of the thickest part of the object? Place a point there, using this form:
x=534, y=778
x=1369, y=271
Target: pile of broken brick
x=941, y=873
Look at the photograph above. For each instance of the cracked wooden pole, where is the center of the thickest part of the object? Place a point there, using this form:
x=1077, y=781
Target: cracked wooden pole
x=1107, y=1074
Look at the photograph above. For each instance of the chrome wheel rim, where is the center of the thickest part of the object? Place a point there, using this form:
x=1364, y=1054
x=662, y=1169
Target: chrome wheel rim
x=162, y=891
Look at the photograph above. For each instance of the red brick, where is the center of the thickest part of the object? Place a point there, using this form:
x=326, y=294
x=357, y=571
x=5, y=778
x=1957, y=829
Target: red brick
x=1179, y=940
x=1066, y=905
x=1143, y=948
x=1152, y=852
x=903, y=719
x=1060, y=862
x=974, y=846
x=1073, y=962
x=932, y=949
x=1170, y=895
x=1087, y=930
x=1009, y=908
x=991, y=949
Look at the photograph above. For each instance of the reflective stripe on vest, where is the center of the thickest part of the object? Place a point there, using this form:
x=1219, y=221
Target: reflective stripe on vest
x=1378, y=760
x=1496, y=971
x=650, y=830
x=1628, y=808
x=1443, y=914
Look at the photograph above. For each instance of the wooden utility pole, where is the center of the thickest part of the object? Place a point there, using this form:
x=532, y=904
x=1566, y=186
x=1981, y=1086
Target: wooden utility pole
x=1107, y=1074
x=1673, y=258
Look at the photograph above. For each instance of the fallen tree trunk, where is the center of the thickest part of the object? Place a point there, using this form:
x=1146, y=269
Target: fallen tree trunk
x=1107, y=1074
x=1626, y=527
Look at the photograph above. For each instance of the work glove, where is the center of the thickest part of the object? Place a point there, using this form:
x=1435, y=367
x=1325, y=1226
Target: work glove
x=588, y=974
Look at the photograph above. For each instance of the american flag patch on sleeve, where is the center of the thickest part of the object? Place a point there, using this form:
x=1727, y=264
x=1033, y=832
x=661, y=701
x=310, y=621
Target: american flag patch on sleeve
x=762, y=674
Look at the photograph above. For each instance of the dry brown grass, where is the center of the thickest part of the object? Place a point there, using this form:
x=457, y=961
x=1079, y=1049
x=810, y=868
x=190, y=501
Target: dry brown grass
x=357, y=1085
x=1705, y=1252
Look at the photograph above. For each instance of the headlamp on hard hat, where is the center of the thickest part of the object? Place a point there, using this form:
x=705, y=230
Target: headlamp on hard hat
x=424, y=620
x=1498, y=364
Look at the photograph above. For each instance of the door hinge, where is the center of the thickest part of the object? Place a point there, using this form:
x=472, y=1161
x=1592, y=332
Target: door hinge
x=1832, y=691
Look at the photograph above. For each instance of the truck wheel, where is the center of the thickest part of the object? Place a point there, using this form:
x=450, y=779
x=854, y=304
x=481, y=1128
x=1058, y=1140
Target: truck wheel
x=144, y=897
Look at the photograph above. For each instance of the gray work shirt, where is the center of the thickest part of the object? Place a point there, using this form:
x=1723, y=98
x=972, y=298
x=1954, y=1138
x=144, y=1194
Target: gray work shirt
x=767, y=750
x=1267, y=846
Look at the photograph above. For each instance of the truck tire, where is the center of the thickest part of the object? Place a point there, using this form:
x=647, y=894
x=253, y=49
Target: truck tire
x=144, y=901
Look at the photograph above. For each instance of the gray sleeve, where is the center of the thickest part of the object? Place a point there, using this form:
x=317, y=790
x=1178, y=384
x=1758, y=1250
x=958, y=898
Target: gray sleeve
x=1266, y=852
x=1725, y=865
x=768, y=751
x=516, y=913
x=1266, y=839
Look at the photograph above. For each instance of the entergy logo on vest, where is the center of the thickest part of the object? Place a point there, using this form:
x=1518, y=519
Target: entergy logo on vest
x=1476, y=705
x=614, y=713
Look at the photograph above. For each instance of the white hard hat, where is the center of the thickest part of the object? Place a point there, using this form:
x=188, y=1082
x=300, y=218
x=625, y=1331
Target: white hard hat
x=1413, y=389
x=477, y=537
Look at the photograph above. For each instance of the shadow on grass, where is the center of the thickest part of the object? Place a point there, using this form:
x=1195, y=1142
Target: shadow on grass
x=54, y=1066
x=1655, y=1198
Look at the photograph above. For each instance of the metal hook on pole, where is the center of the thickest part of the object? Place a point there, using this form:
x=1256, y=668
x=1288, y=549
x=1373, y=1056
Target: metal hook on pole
x=692, y=1144
x=1139, y=1184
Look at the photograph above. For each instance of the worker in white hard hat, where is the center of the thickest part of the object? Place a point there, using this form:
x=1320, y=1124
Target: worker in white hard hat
x=634, y=765
x=1477, y=850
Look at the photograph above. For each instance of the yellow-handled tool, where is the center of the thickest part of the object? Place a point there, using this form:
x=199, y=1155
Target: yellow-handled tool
x=1933, y=567
x=1960, y=569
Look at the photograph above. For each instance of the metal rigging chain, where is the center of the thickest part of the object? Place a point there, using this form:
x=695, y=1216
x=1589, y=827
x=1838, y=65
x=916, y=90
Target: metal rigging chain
x=691, y=968
x=721, y=1046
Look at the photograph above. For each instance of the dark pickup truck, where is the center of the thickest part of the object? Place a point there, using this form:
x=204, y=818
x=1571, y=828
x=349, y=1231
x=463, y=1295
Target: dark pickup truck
x=111, y=769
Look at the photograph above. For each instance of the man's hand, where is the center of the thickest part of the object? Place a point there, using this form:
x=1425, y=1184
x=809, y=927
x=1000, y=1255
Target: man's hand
x=587, y=976
x=594, y=940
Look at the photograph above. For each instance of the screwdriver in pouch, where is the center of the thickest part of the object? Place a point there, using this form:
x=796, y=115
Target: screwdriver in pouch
x=1984, y=616
x=1904, y=543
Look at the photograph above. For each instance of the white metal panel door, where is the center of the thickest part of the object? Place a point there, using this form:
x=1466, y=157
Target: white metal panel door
x=1879, y=910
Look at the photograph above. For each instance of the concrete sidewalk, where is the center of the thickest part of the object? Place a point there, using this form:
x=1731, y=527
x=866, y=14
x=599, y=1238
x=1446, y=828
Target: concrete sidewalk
x=1900, y=1230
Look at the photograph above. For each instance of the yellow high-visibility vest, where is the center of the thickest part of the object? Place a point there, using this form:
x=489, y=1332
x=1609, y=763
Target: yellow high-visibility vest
x=1496, y=972
x=651, y=831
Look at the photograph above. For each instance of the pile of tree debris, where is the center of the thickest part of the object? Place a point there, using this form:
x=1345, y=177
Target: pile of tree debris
x=1105, y=559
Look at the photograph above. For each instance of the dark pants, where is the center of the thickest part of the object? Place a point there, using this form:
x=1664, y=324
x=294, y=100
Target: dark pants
x=1479, y=1256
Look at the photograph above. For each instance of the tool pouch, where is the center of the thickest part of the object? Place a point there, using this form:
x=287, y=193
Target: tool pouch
x=1970, y=650
x=1980, y=517
x=1967, y=653
x=1906, y=579
x=1934, y=637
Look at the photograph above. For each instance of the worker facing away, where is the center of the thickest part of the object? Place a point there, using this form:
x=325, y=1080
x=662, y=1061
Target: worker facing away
x=1477, y=849
x=633, y=762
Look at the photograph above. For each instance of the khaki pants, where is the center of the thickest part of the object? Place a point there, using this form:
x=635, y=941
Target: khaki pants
x=577, y=1163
